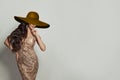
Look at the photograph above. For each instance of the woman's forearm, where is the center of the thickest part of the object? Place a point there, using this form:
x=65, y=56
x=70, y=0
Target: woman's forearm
x=40, y=43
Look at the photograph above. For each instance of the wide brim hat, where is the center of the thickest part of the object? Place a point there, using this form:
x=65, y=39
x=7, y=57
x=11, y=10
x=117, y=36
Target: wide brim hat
x=32, y=18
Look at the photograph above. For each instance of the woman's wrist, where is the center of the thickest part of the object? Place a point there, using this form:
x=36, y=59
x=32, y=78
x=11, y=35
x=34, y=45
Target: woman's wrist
x=37, y=36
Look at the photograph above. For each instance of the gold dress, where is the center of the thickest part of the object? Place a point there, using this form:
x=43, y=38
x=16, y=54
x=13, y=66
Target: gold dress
x=27, y=60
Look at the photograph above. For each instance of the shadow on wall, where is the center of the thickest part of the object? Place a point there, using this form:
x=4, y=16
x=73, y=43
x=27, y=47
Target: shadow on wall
x=7, y=58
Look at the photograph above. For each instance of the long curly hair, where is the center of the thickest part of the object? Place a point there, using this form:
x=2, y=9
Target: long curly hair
x=16, y=37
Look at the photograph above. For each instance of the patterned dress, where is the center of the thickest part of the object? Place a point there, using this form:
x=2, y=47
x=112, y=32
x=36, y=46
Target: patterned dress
x=27, y=60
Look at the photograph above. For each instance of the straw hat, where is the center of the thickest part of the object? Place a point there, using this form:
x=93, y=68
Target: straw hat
x=32, y=18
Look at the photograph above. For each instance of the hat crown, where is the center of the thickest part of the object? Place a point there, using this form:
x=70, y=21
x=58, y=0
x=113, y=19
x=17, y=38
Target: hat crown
x=33, y=15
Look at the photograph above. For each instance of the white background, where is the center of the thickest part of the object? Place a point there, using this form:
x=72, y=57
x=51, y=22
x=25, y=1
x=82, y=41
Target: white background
x=83, y=41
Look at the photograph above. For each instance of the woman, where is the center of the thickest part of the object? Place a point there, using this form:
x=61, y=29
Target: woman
x=21, y=41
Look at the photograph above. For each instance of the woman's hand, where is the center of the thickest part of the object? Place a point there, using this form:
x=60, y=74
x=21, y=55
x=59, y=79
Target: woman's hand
x=33, y=31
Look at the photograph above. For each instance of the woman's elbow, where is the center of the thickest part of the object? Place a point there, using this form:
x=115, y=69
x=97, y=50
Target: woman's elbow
x=43, y=48
x=5, y=43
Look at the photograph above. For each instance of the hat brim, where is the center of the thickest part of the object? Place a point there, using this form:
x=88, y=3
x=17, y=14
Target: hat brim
x=38, y=23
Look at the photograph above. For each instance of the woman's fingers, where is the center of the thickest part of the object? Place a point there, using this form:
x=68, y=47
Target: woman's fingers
x=34, y=32
x=31, y=27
